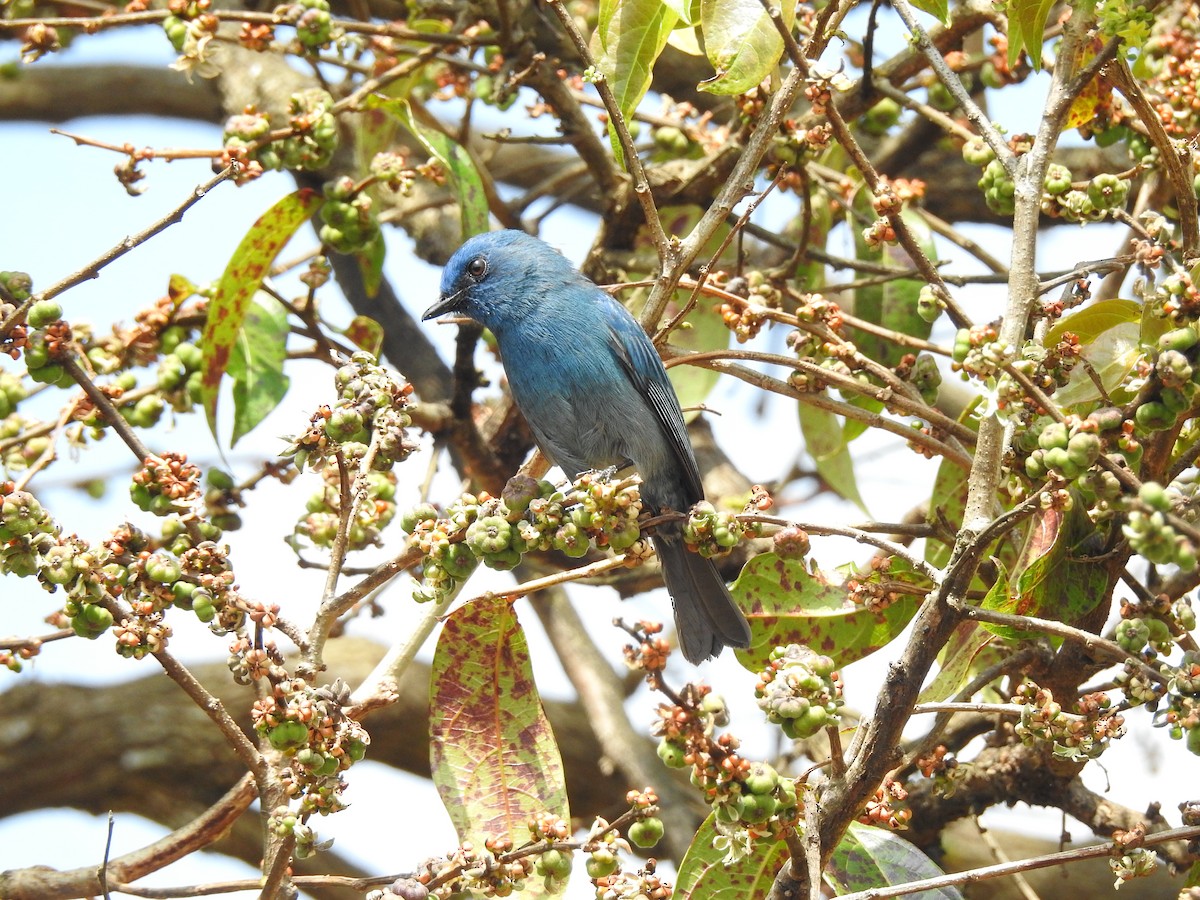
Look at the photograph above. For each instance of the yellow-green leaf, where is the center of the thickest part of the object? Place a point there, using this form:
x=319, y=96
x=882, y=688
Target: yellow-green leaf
x=495, y=762
x=1026, y=29
x=1095, y=319
x=704, y=874
x=243, y=276
x=939, y=9
x=630, y=35
x=742, y=42
x=787, y=604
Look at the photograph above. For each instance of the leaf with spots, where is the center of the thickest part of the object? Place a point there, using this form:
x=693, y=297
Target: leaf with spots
x=256, y=366
x=787, y=604
x=964, y=656
x=869, y=857
x=704, y=874
x=366, y=333
x=243, y=276
x=495, y=762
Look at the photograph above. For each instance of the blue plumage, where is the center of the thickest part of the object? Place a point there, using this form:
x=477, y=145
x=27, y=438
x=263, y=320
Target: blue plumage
x=596, y=395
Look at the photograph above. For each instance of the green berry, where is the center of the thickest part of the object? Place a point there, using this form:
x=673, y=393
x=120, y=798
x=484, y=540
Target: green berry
x=672, y=753
x=645, y=833
x=288, y=735
x=43, y=313
x=601, y=863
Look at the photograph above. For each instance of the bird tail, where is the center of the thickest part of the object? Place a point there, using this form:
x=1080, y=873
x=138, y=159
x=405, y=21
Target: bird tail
x=706, y=617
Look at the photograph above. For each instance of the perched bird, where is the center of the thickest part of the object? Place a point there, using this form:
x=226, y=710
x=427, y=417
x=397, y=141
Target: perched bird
x=596, y=396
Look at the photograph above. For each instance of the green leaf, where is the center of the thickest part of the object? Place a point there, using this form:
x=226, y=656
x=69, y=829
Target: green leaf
x=256, y=366
x=869, y=857
x=1112, y=356
x=958, y=662
x=893, y=304
x=742, y=43
x=949, y=497
x=464, y=177
x=366, y=333
x=1093, y=320
x=939, y=9
x=787, y=604
x=704, y=874
x=1058, y=580
x=825, y=441
x=495, y=762
x=243, y=276
x=1026, y=29
x=630, y=35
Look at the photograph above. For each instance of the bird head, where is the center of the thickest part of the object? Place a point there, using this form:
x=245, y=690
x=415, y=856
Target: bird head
x=499, y=277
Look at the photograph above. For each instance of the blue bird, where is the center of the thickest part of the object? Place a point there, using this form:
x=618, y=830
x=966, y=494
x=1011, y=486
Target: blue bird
x=596, y=396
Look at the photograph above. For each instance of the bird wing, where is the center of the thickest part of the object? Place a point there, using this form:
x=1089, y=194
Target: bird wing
x=642, y=365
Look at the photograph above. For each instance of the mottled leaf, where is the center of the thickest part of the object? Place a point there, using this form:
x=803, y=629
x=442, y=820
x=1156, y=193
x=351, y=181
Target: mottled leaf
x=957, y=662
x=742, y=42
x=1093, y=320
x=1026, y=29
x=464, y=177
x=1058, y=579
x=366, y=334
x=787, y=604
x=179, y=289
x=256, y=366
x=495, y=762
x=630, y=35
x=825, y=440
x=869, y=857
x=243, y=276
x=704, y=875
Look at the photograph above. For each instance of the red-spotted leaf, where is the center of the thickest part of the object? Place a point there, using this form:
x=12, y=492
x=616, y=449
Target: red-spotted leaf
x=787, y=604
x=366, y=334
x=495, y=762
x=243, y=276
x=1058, y=576
x=179, y=289
x=256, y=366
x=869, y=857
x=960, y=660
x=704, y=874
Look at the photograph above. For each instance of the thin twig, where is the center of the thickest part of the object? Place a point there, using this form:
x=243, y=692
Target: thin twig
x=93, y=269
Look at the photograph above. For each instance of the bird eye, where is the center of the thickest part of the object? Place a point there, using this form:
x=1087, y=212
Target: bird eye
x=477, y=268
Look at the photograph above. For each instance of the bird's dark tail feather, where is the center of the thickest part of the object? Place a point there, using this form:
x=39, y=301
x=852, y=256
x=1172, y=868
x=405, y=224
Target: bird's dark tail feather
x=705, y=615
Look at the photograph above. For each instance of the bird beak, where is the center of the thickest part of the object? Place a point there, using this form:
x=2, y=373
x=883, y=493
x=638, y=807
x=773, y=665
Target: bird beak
x=444, y=305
